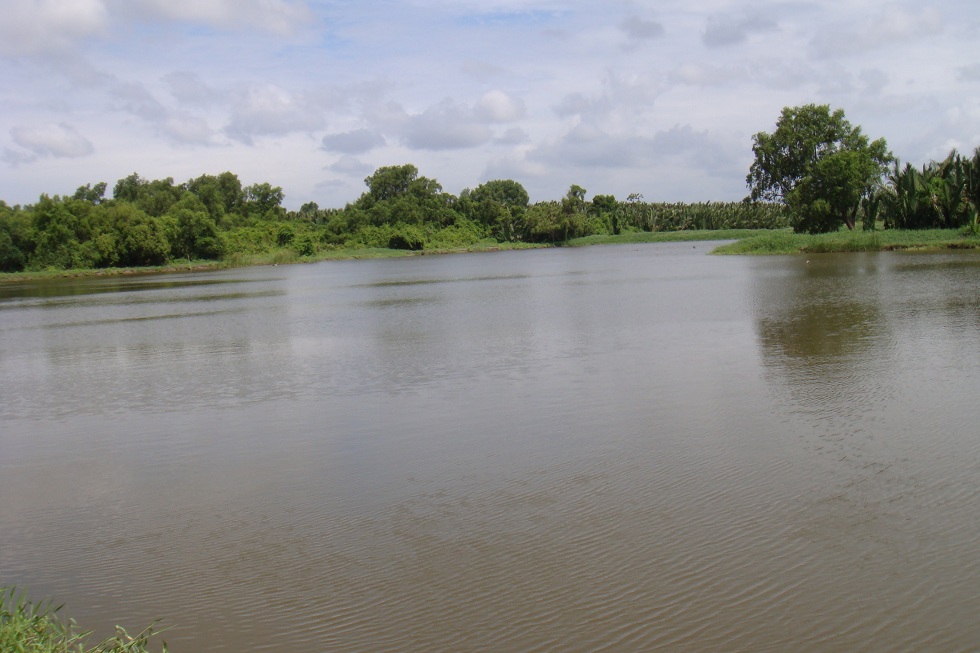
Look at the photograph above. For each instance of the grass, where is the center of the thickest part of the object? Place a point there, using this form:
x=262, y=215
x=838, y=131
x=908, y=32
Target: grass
x=36, y=627
x=784, y=241
x=666, y=236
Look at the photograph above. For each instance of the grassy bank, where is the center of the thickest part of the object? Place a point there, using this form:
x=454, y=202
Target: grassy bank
x=277, y=257
x=784, y=241
x=667, y=236
x=31, y=627
x=747, y=241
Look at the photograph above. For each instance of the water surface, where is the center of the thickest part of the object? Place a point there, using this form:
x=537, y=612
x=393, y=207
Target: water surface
x=614, y=448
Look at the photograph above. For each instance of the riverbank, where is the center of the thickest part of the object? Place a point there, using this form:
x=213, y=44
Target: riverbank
x=277, y=257
x=747, y=242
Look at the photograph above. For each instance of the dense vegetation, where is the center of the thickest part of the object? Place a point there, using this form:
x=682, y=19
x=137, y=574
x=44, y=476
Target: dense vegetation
x=816, y=173
x=828, y=174
x=30, y=627
x=155, y=222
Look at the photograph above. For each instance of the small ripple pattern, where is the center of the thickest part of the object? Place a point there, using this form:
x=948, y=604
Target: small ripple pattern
x=612, y=449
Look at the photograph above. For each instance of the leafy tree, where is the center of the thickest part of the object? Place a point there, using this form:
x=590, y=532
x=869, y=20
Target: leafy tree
x=128, y=188
x=398, y=194
x=222, y=195
x=13, y=228
x=573, y=212
x=309, y=212
x=137, y=238
x=60, y=228
x=194, y=234
x=504, y=191
x=832, y=191
x=264, y=201
x=543, y=222
x=796, y=154
x=606, y=208
x=389, y=182
x=500, y=204
x=89, y=193
x=154, y=197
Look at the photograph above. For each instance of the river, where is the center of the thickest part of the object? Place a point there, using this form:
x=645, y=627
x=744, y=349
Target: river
x=619, y=448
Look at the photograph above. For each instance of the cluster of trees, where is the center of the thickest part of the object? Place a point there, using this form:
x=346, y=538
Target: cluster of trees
x=815, y=172
x=829, y=174
x=153, y=222
x=145, y=223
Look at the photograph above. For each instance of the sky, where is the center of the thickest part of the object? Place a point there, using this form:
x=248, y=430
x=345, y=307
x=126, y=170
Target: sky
x=618, y=97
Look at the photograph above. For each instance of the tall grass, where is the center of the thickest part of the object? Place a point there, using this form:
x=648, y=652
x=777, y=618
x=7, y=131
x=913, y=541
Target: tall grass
x=786, y=242
x=36, y=627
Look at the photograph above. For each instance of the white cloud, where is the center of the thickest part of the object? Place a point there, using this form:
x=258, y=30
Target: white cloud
x=546, y=92
x=482, y=70
x=891, y=27
x=269, y=111
x=278, y=16
x=42, y=26
x=970, y=73
x=729, y=30
x=357, y=141
x=513, y=136
x=638, y=29
x=497, y=106
x=188, y=87
x=351, y=167
x=188, y=129
x=58, y=140
x=444, y=126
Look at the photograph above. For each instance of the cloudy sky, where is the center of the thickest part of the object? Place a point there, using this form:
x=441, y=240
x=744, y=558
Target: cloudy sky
x=659, y=98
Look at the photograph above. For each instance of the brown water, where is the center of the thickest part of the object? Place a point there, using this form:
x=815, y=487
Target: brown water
x=614, y=448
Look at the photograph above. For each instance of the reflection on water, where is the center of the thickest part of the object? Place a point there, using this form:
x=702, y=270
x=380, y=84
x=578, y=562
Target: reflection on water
x=611, y=448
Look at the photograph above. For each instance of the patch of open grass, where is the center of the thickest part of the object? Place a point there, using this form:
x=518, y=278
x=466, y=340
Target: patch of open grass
x=787, y=242
x=667, y=236
x=36, y=627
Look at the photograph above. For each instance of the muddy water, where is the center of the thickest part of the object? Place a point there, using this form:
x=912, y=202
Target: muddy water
x=613, y=448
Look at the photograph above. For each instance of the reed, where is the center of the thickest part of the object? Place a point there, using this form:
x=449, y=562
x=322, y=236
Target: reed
x=36, y=627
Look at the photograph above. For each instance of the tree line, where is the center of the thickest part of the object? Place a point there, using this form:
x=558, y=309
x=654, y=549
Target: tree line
x=156, y=222
x=815, y=172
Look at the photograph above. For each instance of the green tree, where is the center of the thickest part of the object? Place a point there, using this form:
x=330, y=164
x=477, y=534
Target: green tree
x=137, y=238
x=388, y=182
x=831, y=193
x=13, y=235
x=153, y=197
x=264, y=201
x=500, y=204
x=819, y=149
x=94, y=194
x=194, y=234
x=222, y=195
x=606, y=209
x=397, y=194
x=60, y=229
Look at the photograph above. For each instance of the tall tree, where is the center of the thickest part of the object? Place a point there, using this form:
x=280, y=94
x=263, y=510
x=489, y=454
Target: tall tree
x=818, y=153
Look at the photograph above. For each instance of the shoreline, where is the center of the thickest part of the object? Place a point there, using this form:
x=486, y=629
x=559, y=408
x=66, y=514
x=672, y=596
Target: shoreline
x=752, y=242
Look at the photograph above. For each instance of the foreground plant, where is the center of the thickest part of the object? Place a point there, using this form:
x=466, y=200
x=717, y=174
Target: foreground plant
x=35, y=627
